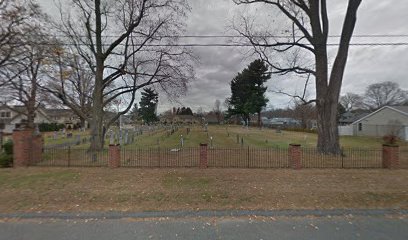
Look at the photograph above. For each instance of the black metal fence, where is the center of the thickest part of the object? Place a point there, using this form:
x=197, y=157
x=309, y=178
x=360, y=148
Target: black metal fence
x=403, y=157
x=73, y=157
x=217, y=158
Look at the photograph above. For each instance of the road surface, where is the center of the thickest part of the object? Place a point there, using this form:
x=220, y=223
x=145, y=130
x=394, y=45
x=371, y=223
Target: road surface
x=281, y=226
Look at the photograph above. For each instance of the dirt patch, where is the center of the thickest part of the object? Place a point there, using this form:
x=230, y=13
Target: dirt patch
x=102, y=189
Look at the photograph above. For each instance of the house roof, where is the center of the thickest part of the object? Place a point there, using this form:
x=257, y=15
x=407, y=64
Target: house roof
x=350, y=117
x=19, y=109
x=58, y=112
x=401, y=109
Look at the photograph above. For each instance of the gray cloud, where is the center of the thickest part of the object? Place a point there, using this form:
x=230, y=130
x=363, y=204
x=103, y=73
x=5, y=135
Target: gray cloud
x=366, y=65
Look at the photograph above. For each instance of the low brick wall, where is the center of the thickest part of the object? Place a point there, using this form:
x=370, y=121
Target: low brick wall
x=295, y=156
x=203, y=155
x=390, y=157
x=114, y=156
x=27, y=147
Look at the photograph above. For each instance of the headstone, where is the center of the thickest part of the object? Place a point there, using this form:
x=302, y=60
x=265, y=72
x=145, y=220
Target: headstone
x=78, y=139
x=181, y=140
x=55, y=135
x=126, y=137
x=120, y=137
x=111, y=138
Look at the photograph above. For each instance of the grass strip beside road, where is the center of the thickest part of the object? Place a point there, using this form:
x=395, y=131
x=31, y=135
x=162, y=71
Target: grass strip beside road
x=136, y=190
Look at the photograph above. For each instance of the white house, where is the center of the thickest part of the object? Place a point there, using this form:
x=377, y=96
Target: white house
x=384, y=121
x=11, y=117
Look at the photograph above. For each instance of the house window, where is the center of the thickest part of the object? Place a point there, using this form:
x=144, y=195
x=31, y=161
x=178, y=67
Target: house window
x=5, y=114
x=360, y=126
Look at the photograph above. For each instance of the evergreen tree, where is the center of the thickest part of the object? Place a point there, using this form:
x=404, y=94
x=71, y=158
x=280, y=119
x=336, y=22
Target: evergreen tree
x=248, y=91
x=134, y=114
x=148, y=105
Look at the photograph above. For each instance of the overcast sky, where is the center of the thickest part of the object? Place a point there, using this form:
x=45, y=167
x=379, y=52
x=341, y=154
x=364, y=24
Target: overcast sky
x=218, y=65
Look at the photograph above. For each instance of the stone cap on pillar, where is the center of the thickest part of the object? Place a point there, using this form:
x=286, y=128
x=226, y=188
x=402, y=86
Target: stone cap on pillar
x=294, y=144
x=390, y=145
x=203, y=144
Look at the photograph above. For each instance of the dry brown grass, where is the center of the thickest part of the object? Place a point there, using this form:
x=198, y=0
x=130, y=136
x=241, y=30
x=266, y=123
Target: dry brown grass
x=102, y=189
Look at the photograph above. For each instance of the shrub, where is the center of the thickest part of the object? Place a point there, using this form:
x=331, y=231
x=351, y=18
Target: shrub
x=390, y=139
x=50, y=127
x=8, y=147
x=6, y=160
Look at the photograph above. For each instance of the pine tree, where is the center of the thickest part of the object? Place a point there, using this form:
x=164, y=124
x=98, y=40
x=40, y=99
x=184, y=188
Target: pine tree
x=248, y=91
x=148, y=105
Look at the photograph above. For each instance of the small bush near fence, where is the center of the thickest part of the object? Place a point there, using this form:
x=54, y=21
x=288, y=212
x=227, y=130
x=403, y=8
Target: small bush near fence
x=6, y=160
x=6, y=157
x=50, y=127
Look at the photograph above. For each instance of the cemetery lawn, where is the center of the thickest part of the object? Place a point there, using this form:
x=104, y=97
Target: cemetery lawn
x=102, y=189
x=224, y=136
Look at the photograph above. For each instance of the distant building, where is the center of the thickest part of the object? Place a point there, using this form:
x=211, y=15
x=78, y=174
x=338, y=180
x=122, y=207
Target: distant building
x=12, y=117
x=384, y=121
x=180, y=119
x=350, y=117
x=283, y=122
x=64, y=116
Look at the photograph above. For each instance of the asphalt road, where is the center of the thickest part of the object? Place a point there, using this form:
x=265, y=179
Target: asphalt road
x=243, y=227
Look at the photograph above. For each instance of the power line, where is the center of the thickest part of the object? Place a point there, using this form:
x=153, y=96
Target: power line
x=240, y=36
x=372, y=44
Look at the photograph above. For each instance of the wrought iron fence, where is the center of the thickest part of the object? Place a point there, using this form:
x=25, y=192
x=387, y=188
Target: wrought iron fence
x=157, y=157
x=217, y=157
x=349, y=158
x=248, y=158
x=73, y=157
x=403, y=157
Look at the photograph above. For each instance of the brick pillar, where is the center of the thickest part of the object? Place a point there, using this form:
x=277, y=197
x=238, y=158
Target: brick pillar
x=203, y=155
x=295, y=156
x=390, y=156
x=22, y=147
x=114, y=156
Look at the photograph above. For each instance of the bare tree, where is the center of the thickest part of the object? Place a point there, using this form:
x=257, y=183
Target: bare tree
x=22, y=69
x=352, y=101
x=15, y=18
x=378, y=95
x=125, y=46
x=26, y=75
x=305, y=113
x=309, y=33
x=217, y=110
x=70, y=82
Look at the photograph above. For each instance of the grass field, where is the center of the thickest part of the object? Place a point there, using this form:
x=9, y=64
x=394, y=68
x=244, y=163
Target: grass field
x=231, y=136
x=102, y=189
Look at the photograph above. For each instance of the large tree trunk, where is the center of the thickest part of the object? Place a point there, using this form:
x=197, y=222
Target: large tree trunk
x=328, y=137
x=97, y=139
x=97, y=131
x=82, y=122
x=328, y=92
x=30, y=106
